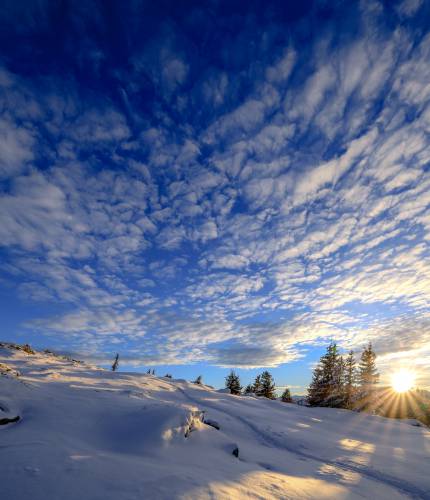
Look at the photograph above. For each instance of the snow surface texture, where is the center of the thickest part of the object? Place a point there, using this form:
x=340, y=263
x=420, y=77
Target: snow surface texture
x=92, y=434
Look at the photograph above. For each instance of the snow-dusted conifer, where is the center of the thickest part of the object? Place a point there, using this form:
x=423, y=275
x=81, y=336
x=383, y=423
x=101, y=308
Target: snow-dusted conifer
x=349, y=385
x=257, y=386
x=326, y=388
x=267, y=385
x=232, y=382
x=249, y=389
x=368, y=374
x=368, y=377
x=315, y=389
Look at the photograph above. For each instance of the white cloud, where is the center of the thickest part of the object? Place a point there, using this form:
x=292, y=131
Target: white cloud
x=281, y=70
x=243, y=119
x=409, y=8
x=230, y=262
x=98, y=127
x=174, y=72
x=215, y=88
x=17, y=145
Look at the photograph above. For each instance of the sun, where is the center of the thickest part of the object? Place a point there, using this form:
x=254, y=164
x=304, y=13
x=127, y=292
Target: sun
x=403, y=380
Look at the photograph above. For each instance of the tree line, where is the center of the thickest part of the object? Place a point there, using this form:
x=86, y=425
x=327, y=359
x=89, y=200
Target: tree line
x=263, y=386
x=338, y=382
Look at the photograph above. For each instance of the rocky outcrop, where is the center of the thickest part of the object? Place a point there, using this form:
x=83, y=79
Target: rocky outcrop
x=4, y=421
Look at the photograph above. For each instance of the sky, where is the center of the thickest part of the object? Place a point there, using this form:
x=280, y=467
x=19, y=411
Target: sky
x=201, y=186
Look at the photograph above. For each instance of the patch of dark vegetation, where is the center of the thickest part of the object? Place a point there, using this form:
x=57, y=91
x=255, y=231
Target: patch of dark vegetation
x=19, y=347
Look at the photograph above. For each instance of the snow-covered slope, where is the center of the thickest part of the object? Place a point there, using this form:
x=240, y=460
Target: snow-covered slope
x=92, y=434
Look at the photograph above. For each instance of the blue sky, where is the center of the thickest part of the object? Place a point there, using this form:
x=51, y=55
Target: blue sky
x=206, y=185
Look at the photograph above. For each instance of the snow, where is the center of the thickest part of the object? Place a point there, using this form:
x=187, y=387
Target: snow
x=93, y=434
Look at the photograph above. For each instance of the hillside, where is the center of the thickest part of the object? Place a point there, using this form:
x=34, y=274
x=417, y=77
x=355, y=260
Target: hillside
x=92, y=434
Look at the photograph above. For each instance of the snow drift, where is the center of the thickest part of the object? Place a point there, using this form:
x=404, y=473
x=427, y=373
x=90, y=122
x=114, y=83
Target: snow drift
x=88, y=433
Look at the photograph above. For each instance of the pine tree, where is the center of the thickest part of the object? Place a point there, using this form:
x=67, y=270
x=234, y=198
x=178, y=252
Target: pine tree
x=349, y=381
x=330, y=361
x=115, y=363
x=249, y=389
x=232, y=382
x=286, y=396
x=368, y=374
x=199, y=380
x=333, y=366
x=368, y=377
x=257, y=386
x=267, y=385
x=315, y=389
x=337, y=399
x=326, y=388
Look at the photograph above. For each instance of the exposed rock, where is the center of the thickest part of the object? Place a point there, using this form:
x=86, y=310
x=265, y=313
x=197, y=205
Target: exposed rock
x=7, y=370
x=212, y=423
x=26, y=348
x=4, y=421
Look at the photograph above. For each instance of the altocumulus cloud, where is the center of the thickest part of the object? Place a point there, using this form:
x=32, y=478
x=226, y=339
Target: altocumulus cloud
x=225, y=192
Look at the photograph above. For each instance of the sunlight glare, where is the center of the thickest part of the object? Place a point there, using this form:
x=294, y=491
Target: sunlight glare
x=402, y=380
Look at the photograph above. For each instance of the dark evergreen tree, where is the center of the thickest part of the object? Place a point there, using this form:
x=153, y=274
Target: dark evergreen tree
x=326, y=388
x=249, y=389
x=267, y=385
x=199, y=380
x=337, y=399
x=315, y=389
x=286, y=396
x=349, y=384
x=232, y=382
x=115, y=363
x=257, y=386
x=368, y=374
x=368, y=377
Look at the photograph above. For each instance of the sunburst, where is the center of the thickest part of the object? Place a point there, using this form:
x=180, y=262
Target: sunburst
x=402, y=380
